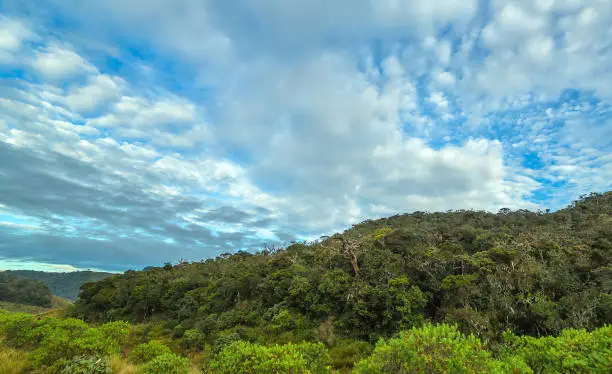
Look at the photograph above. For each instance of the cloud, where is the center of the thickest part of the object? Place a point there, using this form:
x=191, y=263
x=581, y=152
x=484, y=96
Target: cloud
x=40, y=266
x=223, y=126
x=60, y=62
x=99, y=90
x=140, y=112
x=12, y=34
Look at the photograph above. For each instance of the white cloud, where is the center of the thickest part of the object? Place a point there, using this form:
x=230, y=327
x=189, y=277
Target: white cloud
x=12, y=264
x=60, y=62
x=99, y=90
x=198, y=134
x=329, y=110
x=12, y=36
x=141, y=112
x=439, y=100
x=443, y=51
x=540, y=48
x=444, y=78
x=514, y=19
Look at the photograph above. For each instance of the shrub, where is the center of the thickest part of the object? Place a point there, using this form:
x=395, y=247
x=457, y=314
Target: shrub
x=117, y=331
x=574, y=351
x=431, y=349
x=224, y=340
x=168, y=363
x=148, y=351
x=87, y=365
x=17, y=329
x=245, y=357
x=193, y=339
x=58, y=348
x=178, y=331
x=345, y=353
x=54, y=342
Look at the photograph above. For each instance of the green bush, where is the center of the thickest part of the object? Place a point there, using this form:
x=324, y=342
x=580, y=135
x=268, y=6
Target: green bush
x=168, y=363
x=148, y=351
x=193, y=339
x=178, y=331
x=54, y=342
x=117, y=331
x=17, y=329
x=87, y=365
x=224, y=340
x=432, y=349
x=574, y=351
x=346, y=352
x=245, y=357
x=61, y=340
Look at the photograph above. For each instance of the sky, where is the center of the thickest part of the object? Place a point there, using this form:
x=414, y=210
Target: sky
x=138, y=132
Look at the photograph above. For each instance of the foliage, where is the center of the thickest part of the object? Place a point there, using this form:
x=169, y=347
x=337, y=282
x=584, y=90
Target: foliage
x=533, y=273
x=193, y=340
x=67, y=345
x=167, y=363
x=66, y=285
x=54, y=342
x=431, y=349
x=245, y=357
x=460, y=291
x=148, y=351
x=346, y=352
x=23, y=291
x=225, y=340
x=87, y=365
x=574, y=351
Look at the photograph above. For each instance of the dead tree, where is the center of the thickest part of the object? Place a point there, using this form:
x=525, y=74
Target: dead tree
x=349, y=249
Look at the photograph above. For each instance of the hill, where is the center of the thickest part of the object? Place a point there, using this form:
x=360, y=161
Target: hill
x=14, y=289
x=64, y=285
x=533, y=273
x=57, y=303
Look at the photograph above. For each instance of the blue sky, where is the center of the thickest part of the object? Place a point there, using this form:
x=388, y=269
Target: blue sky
x=136, y=132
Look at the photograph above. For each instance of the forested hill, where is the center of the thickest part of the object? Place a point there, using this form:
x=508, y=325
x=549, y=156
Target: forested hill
x=66, y=285
x=532, y=273
x=19, y=290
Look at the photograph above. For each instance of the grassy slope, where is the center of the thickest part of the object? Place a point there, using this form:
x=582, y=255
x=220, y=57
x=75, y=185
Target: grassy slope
x=57, y=304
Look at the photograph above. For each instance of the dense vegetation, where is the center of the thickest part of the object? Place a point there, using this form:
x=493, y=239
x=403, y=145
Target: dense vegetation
x=15, y=289
x=66, y=285
x=461, y=292
x=532, y=273
x=66, y=345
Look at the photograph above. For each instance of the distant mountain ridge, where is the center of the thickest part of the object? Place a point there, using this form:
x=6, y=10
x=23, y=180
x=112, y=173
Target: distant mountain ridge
x=66, y=285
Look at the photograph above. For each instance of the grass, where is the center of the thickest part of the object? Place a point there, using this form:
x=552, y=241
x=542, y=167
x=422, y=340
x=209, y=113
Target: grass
x=12, y=361
x=22, y=308
x=58, y=306
x=120, y=365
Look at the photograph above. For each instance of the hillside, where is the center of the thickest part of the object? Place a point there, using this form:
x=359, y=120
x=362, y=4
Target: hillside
x=414, y=293
x=64, y=285
x=57, y=304
x=14, y=289
x=532, y=273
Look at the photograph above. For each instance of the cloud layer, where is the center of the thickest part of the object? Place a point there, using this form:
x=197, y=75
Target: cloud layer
x=137, y=132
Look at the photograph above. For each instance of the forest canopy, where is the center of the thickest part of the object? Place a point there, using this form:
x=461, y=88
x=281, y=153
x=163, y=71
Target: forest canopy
x=66, y=285
x=531, y=273
x=24, y=291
